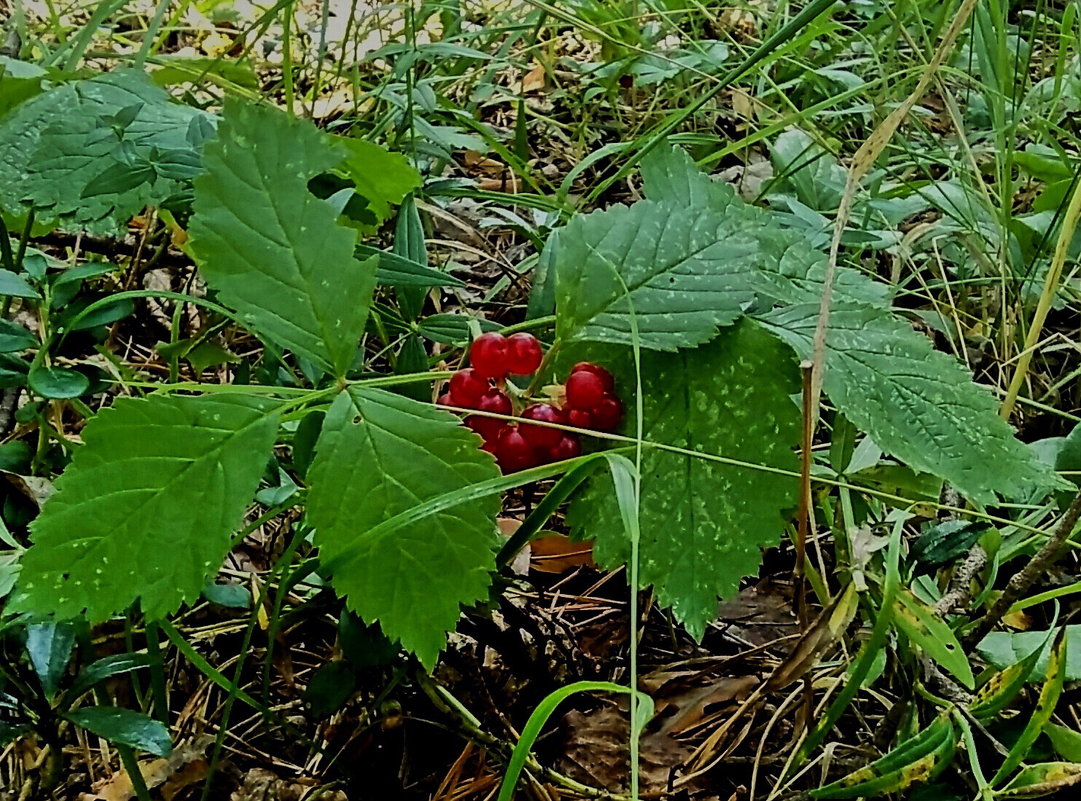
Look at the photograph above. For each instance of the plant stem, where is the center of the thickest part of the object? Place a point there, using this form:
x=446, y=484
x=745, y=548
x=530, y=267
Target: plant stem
x=1021, y=582
x=131, y=766
x=1047, y=297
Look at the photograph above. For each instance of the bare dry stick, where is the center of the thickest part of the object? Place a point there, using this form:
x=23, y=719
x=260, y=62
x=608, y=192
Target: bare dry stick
x=865, y=157
x=1021, y=582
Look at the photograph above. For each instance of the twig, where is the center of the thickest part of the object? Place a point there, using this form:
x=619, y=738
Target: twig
x=1021, y=582
x=960, y=590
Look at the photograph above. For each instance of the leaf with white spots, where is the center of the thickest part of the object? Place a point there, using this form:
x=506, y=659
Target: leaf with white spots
x=147, y=507
x=382, y=454
x=272, y=250
x=917, y=403
x=680, y=276
x=703, y=521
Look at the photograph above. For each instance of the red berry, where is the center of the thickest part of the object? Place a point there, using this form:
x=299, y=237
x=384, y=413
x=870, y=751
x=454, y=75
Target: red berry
x=524, y=354
x=467, y=386
x=487, y=427
x=585, y=390
x=542, y=436
x=513, y=451
x=495, y=401
x=567, y=448
x=488, y=354
x=446, y=400
x=597, y=370
x=579, y=418
x=608, y=414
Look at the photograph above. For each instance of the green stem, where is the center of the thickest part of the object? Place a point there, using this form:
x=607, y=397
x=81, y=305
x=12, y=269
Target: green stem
x=158, y=685
x=131, y=765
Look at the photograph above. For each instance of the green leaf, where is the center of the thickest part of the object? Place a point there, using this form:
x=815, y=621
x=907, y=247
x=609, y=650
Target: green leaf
x=272, y=250
x=16, y=286
x=381, y=454
x=683, y=275
x=124, y=727
x=1005, y=648
x=1043, y=778
x=49, y=647
x=925, y=628
x=1048, y=699
x=381, y=177
x=703, y=522
x=330, y=687
x=57, y=382
x=918, y=404
x=396, y=270
x=452, y=329
x=13, y=337
x=790, y=271
x=10, y=732
x=81, y=169
x=147, y=507
x=105, y=668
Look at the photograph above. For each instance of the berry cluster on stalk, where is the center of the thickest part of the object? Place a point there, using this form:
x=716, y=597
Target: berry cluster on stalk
x=589, y=402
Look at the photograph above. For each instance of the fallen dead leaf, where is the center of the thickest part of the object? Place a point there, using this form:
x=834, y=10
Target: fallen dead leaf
x=533, y=81
x=185, y=766
x=558, y=554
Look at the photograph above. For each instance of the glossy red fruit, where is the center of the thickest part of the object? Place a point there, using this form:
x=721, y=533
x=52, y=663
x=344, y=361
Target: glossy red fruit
x=597, y=370
x=524, y=354
x=513, y=451
x=488, y=355
x=567, y=448
x=585, y=390
x=608, y=414
x=541, y=436
x=487, y=427
x=446, y=400
x=579, y=418
x=495, y=401
x=467, y=386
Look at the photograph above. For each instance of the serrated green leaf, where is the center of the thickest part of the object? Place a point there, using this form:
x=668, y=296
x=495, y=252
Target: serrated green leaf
x=683, y=275
x=381, y=177
x=790, y=271
x=75, y=174
x=380, y=454
x=124, y=727
x=146, y=508
x=918, y=404
x=703, y=522
x=272, y=250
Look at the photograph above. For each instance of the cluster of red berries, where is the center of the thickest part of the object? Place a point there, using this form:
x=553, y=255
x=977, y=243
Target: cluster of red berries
x=589, y=402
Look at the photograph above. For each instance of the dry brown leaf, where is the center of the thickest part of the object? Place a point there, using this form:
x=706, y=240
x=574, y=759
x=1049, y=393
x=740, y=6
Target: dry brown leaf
x=533, y=81
x=185, y=766
x=557, y=554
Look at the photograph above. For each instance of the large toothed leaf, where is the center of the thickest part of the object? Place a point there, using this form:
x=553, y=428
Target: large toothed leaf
x=148, y=505
x=704, y=522
x=272, y=249
x=381, y=454
x=683, y=275
x=56, y=147
x=789, y=270
x=917, y=403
